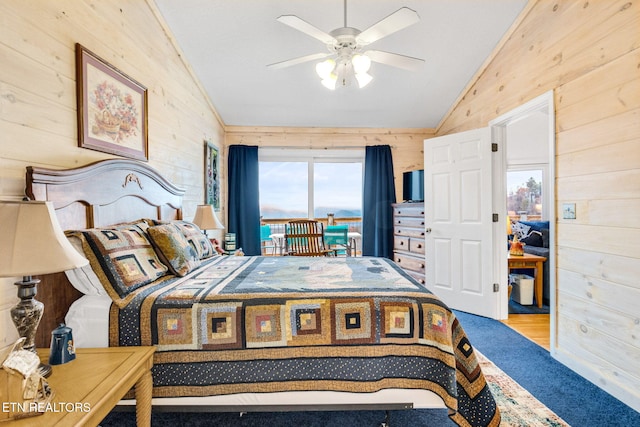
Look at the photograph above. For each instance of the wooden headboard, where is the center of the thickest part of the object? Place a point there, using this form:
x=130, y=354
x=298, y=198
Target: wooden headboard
x=97, y=195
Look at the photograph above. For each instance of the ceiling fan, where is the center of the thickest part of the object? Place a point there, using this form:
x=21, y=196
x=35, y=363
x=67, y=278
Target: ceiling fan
x=346, y=48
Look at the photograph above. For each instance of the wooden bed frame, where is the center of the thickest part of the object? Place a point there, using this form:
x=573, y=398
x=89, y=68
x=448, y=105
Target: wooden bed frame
x=114, y=191
x=96, y=195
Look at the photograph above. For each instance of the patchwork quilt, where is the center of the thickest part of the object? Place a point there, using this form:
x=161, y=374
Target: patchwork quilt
x=266, y=324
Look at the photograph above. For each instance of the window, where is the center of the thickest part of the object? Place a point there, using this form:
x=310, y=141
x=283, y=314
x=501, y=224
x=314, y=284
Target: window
x=524, y=193
x=297, y=183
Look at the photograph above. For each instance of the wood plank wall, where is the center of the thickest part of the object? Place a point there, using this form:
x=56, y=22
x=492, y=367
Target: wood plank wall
x=406, y=144
x=588, y=53
x=38, y=101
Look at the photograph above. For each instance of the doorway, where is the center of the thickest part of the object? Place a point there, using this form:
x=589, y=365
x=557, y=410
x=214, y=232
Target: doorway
x=526, y=142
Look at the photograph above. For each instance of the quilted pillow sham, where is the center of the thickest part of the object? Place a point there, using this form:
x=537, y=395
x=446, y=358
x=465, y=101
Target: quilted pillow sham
x=174, y=248
x=196, y=238
x=123, y=259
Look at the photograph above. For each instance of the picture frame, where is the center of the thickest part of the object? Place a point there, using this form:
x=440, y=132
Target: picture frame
x=211, y=175
x=112, y=108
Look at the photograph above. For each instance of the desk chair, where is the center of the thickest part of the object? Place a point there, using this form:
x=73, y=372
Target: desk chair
x=335, y=237
x=306, y=238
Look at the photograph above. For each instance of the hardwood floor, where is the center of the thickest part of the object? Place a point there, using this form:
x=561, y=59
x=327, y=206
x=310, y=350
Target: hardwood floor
x=533, y=326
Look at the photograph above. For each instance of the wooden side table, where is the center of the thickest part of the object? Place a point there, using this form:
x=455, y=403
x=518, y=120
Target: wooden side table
x=534, y=262
x=89, y=387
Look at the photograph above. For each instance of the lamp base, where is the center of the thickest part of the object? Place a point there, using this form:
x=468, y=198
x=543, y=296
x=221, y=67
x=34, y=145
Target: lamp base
x=26, y=316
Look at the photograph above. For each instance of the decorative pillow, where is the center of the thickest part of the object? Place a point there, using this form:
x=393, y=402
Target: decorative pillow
x=533, y=239
x=142, y=223
x=536, y=225
x=198, y=240
x=123, y=260
x=520, y=230
x=174, y=249
x=84, y=278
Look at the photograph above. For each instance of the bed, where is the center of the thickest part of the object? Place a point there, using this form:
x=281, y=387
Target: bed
x=247, y=333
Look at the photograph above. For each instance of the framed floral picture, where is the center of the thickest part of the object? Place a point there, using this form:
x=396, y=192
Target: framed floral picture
x=211, y=177
x=112, y=108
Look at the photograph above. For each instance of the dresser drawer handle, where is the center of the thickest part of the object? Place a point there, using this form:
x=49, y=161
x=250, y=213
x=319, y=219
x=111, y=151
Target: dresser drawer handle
x=401, y=243
x=419, y=246
x=421, y=265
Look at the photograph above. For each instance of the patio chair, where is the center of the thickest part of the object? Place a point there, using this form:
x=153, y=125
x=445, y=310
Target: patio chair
x=335, y=237
x=266, y=241
x=306, y=238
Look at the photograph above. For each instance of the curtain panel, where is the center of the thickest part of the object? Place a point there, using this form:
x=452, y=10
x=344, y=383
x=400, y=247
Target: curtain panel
x=378, y=195
x=243, y=197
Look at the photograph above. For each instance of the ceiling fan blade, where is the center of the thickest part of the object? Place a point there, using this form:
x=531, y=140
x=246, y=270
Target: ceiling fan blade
x=301, y=25
x=398, y=20
x=299, y=60
x=395, y=60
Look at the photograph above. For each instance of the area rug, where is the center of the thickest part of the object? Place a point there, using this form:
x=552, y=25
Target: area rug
x=518, y=407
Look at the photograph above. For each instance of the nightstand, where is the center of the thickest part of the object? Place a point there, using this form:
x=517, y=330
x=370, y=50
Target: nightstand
x=89, y=387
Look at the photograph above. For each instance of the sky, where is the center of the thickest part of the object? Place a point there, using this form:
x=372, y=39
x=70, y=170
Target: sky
x=284, y=185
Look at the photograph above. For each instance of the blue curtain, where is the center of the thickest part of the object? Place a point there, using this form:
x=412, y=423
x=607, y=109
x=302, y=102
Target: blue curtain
x=244, y=200
x=378, y=195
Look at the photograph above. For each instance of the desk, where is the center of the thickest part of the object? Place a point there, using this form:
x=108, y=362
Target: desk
x=534, y=262
x=96, y=381
x=278, y=238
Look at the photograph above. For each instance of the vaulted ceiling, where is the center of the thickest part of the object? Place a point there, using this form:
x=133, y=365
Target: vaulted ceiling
x=229, y=43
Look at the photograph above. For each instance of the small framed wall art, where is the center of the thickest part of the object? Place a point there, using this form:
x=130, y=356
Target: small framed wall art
x=211, y=177
x=112, y=108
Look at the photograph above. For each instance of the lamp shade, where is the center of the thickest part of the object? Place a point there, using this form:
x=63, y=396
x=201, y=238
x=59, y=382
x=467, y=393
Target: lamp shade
x=32, y=242
x=206, y=218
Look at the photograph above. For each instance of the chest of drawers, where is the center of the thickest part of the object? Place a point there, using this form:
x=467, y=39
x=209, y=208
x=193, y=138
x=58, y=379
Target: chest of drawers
x=408, y=238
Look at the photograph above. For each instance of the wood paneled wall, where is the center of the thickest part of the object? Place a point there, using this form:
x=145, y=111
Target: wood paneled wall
x=38, y=100
x=406, y=144
x=588, y=53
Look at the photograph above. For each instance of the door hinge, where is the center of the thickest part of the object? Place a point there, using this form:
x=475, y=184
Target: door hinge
x=494, y=147
x=494, y=217
x=496, y=287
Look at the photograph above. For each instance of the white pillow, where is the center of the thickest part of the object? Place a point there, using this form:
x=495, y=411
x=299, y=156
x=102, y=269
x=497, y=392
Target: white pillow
x=84, y=278
x=520, y=230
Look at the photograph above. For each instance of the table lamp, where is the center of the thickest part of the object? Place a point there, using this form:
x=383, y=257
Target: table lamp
x=206, y=218
x=32, y=243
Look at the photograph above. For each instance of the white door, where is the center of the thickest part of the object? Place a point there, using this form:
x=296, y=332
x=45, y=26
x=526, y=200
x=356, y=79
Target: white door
x=459, y=221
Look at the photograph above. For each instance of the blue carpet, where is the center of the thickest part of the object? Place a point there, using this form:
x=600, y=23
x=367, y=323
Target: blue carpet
x=515, y=308
x=576, y=400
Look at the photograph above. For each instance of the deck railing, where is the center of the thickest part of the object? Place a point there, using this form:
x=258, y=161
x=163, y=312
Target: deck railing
x=278, y=225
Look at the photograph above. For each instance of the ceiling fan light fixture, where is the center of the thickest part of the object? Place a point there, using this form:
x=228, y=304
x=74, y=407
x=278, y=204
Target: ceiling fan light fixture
x=325, y=68
x=363, y=79
x=330, y=82
x=361, y=63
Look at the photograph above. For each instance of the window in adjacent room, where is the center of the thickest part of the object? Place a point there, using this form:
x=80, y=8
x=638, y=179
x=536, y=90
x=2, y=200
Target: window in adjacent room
x=300, y=183
x=524, y=193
